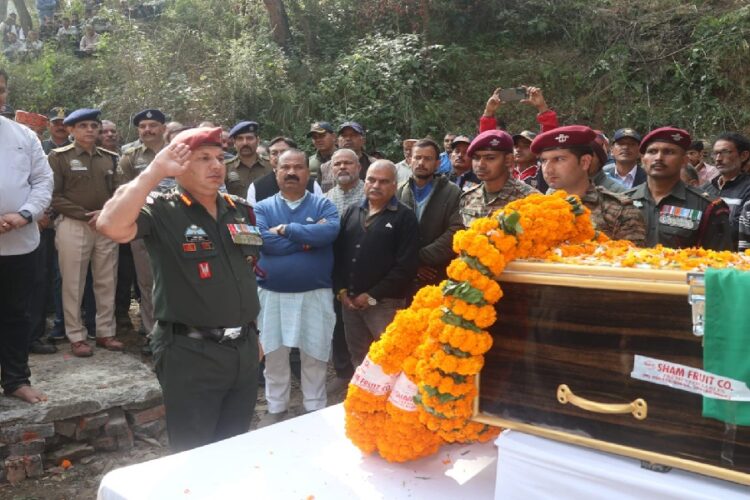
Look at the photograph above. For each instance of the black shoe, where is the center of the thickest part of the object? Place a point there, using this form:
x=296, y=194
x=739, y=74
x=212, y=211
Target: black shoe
x=39, y=347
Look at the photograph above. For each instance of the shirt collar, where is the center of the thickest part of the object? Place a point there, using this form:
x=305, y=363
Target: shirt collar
x=80, y=150
x=392, y=204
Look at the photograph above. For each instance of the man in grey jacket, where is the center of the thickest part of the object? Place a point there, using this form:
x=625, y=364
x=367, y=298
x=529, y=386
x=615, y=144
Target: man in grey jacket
x=434, y=200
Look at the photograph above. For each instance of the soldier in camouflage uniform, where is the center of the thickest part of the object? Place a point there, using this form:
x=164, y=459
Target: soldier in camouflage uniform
x=566, y=155
x=247, y=166
x=677, y=215
x=492, y=156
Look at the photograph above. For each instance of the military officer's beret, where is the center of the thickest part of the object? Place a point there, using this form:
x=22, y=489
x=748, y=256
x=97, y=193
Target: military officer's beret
x=245, y=127
x=622, y=133
x=149, y=114
x=563, y=138
x=320, y=128
x=667, y=134
x=526, y=134
x=82, y=115
x=598, y=145
x=493, y=140
x=354, y=126
x=56, y=113
x=460, y=139
x=197, y=137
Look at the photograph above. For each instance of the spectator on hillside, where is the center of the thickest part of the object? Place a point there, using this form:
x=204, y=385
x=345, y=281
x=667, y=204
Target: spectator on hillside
x=445, y=157
x=11, y=26
x=45, y=9
x=33, y=46
x=403, y=168
x=67, y=34
x=14, y=47
x=706, y=172
x=89, y=41
x=47, y=29
x=626, y=169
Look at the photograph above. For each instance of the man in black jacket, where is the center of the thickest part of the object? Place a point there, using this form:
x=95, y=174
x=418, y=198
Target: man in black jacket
x=376, y=259
x=434, y=200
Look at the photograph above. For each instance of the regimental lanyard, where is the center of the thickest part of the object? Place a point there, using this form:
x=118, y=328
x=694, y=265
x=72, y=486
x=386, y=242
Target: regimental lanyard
x=686, y=218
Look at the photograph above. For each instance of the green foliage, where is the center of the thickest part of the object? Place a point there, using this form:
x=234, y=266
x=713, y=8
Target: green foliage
x=412, y=68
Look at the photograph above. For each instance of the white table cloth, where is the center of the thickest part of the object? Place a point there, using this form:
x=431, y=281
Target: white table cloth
x=531, y=467
x=306, y=457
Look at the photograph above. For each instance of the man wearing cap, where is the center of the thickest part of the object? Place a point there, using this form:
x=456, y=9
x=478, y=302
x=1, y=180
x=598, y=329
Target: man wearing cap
x=461, y=173
x=706, y=172
x=25, y=191
x=491, y=153
x=565, y=154
x=677, y=215
x=247, y=166
x=202, y=245
x=732, y=155
x=626, y=169
x=84, y=180
x=58, y=133
x=351, y=135
x=150, y=125
x=324, y=140
x=434, y=200
x=600, y=158
x=524, y=160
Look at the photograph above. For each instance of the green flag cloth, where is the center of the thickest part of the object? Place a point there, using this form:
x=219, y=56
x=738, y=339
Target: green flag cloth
x=726, y=341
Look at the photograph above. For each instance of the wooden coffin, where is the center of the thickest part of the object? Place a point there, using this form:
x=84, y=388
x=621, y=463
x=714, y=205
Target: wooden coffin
x=580, y=327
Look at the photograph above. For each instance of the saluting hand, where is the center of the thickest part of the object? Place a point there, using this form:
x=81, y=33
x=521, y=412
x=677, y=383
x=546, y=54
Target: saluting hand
x=171, y=161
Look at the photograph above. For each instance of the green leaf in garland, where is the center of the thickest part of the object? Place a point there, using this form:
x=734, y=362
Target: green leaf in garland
x=442, y=397
x=465, y=292
x=474, y=263
x=511, y=223
x=431, y=411
x=455, y=320
x=455, y=352
x=457, y=377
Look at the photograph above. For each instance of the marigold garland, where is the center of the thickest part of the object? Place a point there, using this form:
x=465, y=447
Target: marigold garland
x=438, y=342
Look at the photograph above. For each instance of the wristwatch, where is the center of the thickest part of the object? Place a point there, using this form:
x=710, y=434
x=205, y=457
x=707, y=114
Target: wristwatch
x=26, y=215
x=371, y=301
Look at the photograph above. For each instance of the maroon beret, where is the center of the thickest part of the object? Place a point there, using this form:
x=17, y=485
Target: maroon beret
x=197, y=137
x=667, y=134
x=562, y=138
x=492, y=140
x=598, y=146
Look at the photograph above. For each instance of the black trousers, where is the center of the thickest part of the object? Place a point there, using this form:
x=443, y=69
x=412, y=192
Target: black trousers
x=342, y=360
x=125, y=280
x=209, y=388
x=16, y=284
x=44, y=265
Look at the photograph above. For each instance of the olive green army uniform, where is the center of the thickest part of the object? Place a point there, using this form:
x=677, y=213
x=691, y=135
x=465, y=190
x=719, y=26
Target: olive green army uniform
x=684, y=218
x=83, y=183
x=615, y=215
x=202, y=280
x=133, y=162
x=240, y=176
x=476, y=202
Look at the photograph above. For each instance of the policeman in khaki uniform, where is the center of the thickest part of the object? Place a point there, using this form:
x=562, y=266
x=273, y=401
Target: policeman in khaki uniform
x=150, y=124
x=491, y=153
x=247, y=166
x=84, y=180
x=203, y=247
x=566, y=155
x=677, y=215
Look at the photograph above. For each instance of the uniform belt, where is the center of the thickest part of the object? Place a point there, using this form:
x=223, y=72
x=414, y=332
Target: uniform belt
x=218, y=335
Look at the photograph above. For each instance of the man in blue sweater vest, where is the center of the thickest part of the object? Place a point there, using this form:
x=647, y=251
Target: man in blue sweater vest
x=296, y=293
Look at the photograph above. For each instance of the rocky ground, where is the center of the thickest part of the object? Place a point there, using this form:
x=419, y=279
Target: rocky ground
x=81, y=481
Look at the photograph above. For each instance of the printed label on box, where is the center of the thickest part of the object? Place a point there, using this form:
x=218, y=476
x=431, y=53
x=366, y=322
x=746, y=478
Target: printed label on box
x=402, y=395
x=370, y=377
x=687, y=378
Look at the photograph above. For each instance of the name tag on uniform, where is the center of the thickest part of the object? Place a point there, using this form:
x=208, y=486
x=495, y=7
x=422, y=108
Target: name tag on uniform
x=76, y=165
x=245, y=234
x=195, y=234
x=685, y=218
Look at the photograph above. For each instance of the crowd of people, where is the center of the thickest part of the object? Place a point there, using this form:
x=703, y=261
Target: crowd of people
x=224, y=236
x=63, y=31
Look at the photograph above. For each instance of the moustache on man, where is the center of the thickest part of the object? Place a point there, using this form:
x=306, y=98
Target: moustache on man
x=291, y=177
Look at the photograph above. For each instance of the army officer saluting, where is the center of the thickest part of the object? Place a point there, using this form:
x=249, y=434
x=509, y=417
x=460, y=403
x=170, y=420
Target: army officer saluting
x=202, y=246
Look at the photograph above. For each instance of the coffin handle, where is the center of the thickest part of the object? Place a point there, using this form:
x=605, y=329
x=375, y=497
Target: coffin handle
x=638, y=407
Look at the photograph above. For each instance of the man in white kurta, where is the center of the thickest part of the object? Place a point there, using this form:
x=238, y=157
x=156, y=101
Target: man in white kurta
x=295, y=285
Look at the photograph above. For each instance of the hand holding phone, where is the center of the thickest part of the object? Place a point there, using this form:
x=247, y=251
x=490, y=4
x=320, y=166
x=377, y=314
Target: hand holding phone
x=512, y=94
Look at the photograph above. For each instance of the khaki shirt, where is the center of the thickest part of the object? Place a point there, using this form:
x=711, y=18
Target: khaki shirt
x=615, y=215
x=239, y=176
x=201, y=277
x=83, y=181
x=476, y=203
x=704, y=223
x=134, y=161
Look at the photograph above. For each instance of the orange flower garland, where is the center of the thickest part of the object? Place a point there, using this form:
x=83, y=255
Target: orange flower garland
x=438, y=343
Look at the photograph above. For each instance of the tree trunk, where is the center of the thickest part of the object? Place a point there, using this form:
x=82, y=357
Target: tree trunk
x=307, y=16
x=24, y=18
x=279, y=22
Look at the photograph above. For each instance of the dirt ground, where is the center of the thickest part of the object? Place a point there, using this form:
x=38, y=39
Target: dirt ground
x=81, y=481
